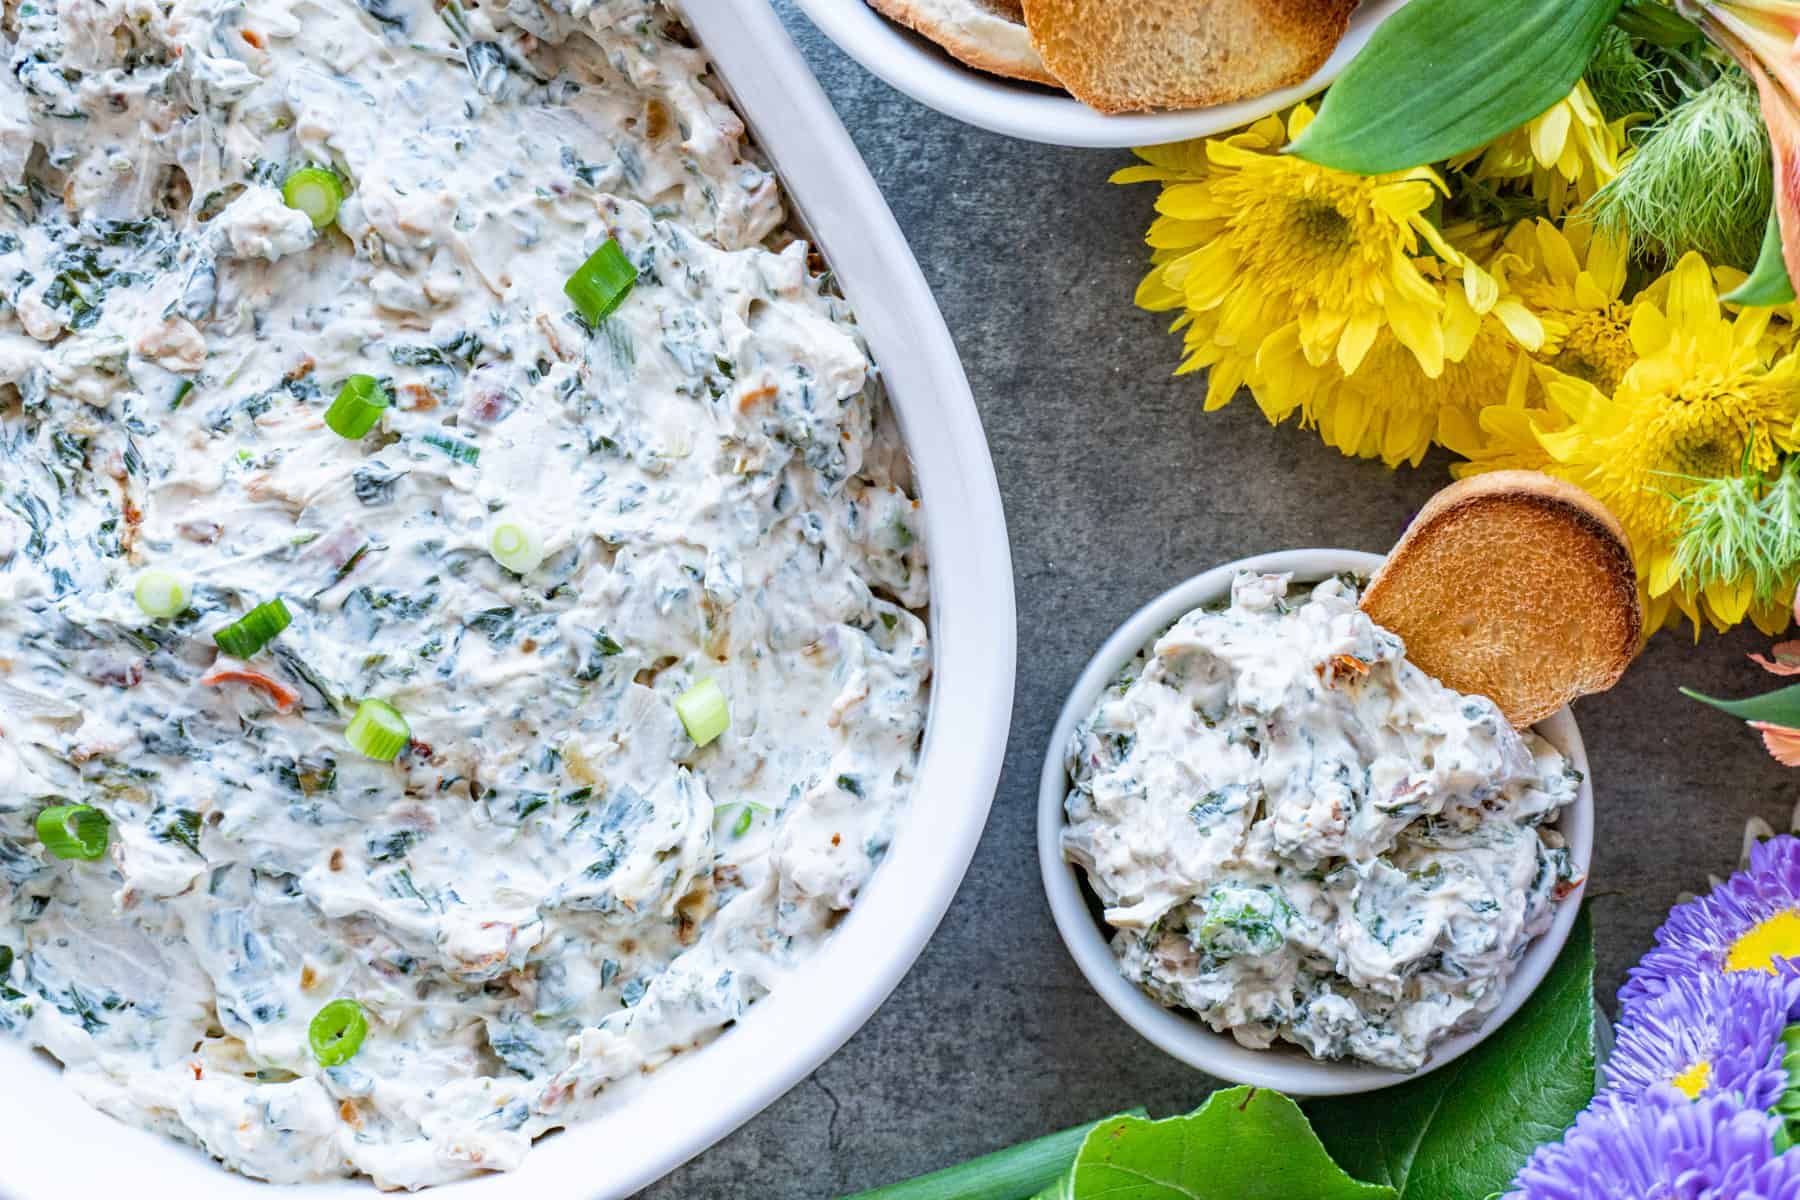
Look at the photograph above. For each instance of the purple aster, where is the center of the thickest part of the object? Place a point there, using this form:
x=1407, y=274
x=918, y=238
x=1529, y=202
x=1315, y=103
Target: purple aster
x=1665, y=1147
x=1748, y=922
x=1711, y=1034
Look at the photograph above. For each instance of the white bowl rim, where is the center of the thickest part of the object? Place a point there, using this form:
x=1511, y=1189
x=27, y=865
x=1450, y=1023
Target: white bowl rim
x=54, y=1145
x=1027, y=111
x=1285, y=1068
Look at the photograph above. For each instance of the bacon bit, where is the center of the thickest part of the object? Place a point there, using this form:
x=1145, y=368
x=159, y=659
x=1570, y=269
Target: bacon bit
x=837, y=839
x=308, y=977
x=301, y=369
x=348, y=1114
x=528, y=646
x=751, y=399
x=195, y=1068
x=336, y=862
x=253, y=37
x=1340, y=666
x=656, y=119
x=422, y=398
x=127, y=676
x=283, y=696
x=1565, y=888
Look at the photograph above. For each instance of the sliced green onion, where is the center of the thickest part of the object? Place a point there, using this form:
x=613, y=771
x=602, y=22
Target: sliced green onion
x=378, y=731
x=703, y=711
x=161, y=594
x=456, y=448
x=516, y=548
x=601, y=283
x=76, y=831
x=254, y=630
x=337, y=1032
x=315, y=191
x=359, y=404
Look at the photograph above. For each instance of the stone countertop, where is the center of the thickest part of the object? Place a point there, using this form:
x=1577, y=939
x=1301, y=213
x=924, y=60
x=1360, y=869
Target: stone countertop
x=1117, y=485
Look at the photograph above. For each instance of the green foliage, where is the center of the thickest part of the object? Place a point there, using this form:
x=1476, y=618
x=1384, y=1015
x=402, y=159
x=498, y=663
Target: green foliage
x=1779, y=707
x=1242, y=1144
x=1699, y=180
x=1441, y=77
x=1016, y=1173
x=1768, y=283
x=1744, y=526
x=1631, y=82
x=1463, y=1131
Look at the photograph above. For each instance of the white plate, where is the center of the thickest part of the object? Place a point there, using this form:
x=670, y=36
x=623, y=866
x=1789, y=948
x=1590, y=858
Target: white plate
x=1284, y=1067
x=54, y=1147
x=923, y=71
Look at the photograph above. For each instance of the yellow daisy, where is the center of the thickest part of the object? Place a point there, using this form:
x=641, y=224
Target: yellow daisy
x=1704, y=398
x=1563, y=156
x=1573, y=279
x=1250, y=243
x=1389, y=409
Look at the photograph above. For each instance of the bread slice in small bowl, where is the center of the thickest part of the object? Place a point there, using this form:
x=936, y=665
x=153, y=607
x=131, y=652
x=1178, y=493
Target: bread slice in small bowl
x=1515, y=586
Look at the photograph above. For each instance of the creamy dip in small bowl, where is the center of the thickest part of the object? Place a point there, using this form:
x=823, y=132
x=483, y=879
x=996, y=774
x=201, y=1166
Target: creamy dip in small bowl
x=1078, y=910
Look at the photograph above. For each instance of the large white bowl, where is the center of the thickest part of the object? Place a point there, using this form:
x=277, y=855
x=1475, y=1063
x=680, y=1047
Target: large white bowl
x=53, y=1146
x=1039, y=114
x=1284, y=1067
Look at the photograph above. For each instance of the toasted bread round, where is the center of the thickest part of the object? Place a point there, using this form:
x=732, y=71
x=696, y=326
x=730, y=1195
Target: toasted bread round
x=1515, y=586
x=1133, y=55
x=988, y=35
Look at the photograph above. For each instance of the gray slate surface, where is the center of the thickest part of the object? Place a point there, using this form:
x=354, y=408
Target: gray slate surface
x=1116, y=486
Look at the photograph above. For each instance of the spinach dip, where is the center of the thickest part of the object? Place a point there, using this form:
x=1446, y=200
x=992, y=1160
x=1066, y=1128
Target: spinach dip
x=449, y=847
x=1299, y=835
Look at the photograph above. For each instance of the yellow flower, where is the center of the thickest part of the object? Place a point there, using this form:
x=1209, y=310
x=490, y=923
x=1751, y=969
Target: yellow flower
x=1251, y=244
x=1573, y=278
x=1564, y=155
x=1389, y=409
x=1703, y=399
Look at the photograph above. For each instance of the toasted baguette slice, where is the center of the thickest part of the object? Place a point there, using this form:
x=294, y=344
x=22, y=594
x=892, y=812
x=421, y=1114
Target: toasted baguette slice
x=988, y=35
x=1132, y=55
x=1514, y=586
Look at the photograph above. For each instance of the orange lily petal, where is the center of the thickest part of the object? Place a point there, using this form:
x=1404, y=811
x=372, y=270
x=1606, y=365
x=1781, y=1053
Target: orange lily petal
x=1783, y=743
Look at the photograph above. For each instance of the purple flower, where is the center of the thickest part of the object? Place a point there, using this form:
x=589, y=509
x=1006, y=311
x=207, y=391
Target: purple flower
x=1749, y=922
x=1665, y=1147
x=1708, y=1034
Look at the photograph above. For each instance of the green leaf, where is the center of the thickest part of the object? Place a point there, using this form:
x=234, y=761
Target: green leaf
x=1779, y=707
x=1464, y=1130
x=1444, y=76
x=1768, y=283
x=1242, y=1144
x=1657, y=24
x=1015, y=1173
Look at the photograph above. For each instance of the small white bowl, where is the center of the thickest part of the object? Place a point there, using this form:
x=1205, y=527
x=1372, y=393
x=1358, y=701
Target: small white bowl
x=1284, y=1067
x=925, y=72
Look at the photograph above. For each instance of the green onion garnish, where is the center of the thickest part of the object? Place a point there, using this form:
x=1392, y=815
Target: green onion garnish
x=359, y=404
x=337, y=1032
x=315, y=191
x=76, y=831
x=378, y=731
x=515, y=548
x=161, y=594
x=703, y=711
x=254, y=630
x=601, y=283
